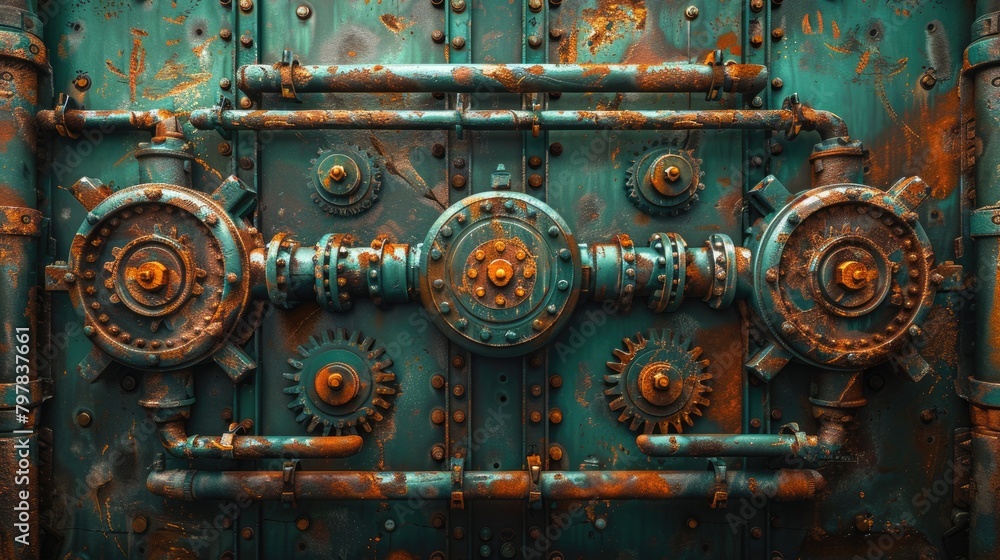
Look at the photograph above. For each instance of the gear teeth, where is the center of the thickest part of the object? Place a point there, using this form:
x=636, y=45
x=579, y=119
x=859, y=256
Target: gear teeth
x=340, y=420
x=669, y=347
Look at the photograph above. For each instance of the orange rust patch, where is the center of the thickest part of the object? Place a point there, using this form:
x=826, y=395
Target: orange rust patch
x=568, y=48
x=806, y=27
x=819, y=22
x=609, y=19
x=7, y=133
x=136, y=62
x=933, y=151
x=731, y=42
x=863, y=62
x=179, y=20
x=394, y=23
x=835, y=29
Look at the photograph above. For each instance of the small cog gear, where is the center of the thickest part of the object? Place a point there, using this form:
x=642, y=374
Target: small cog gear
x=657, y=382
x=664, y=182
x=341, y=383
x=346, y=181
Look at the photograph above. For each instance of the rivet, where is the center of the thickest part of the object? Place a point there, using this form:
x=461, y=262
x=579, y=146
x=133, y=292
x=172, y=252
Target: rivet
x=535, y=180
x=246, y=5
x=534, y=41
x=246, y=41
x=84, y=419
x=246, y=103
x=139, y=524
x=458, y=6
x=226, y=34
x=303, y=12
x=458, y=43
x=437, y=36
x=691, y=12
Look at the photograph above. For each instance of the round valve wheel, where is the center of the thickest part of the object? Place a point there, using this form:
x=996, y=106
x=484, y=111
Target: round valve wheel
x=500, y=273
x=843, y=274
x=167, y=297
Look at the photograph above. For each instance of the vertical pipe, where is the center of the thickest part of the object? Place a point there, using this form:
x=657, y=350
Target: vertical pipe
x=22, y=57
x=982, y=74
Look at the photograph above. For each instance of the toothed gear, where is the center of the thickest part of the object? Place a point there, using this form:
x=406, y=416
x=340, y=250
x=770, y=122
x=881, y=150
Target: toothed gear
x=346, y=181
x=658, y=382
x=664, y=182
x=341, y=383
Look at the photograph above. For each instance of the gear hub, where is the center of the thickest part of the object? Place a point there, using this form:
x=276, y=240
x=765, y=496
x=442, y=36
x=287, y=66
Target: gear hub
x=664, y=182
x=341, y=383
x=657, y=382
x=345, y=181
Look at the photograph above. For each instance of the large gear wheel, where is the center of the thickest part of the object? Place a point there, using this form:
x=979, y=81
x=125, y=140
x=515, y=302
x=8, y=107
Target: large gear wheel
x=658, y=382
x=341, y=383
x=664, y=181
x=346, y=181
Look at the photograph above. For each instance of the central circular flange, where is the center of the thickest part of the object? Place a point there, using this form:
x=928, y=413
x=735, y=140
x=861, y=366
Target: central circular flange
x=337, y=383
x=500, y=273
x=152, y=275
x=671, y=175
x=659, y=383
x=852, y=276
x=339, y=174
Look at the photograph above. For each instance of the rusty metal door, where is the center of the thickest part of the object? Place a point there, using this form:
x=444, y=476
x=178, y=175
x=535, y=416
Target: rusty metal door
x=545, y=279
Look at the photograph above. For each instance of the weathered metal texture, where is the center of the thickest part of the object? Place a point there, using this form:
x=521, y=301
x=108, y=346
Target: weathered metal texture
x=594, y=113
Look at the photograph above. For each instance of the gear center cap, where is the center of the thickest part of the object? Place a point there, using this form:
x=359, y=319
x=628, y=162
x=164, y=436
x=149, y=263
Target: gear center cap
x=337, y=383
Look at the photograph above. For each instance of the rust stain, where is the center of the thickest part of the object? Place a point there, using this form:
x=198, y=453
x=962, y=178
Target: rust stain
x=568, y=48
x=177, y=89
x=863, y=62
x=136, y=62
x=179, y=20
x=200, y=49
x=394, y=23
x=933, y=151
x=731, y=42
x=806, y=27
x=819, y=22
x=835, y=29
x=610, y=18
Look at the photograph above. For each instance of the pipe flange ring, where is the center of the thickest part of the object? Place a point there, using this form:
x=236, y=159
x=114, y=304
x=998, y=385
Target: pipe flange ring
x=374, y=276
x=276, y=269
x=626, y=292
x=670, y=271
x=722, y=255
x=329, y=250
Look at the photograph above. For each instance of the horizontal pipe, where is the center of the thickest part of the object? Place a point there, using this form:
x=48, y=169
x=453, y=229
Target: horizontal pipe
x=506, y=78
x=315, y=119
x=741, y=445
x=179, y=444
x=77, y=121
x=785, y=484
